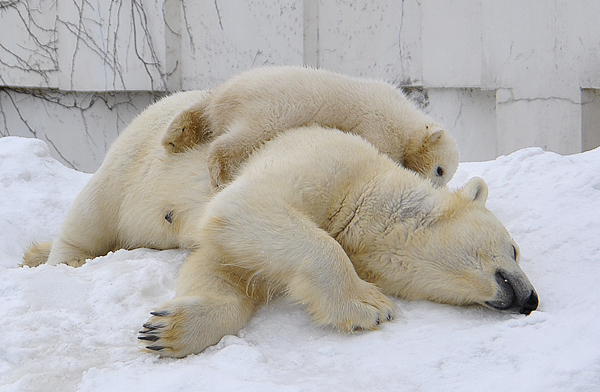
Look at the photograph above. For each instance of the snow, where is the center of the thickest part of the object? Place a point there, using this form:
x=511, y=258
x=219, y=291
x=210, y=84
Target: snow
x=67, y=329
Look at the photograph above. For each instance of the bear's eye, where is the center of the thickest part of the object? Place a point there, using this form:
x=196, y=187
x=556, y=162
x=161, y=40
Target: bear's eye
x=440, y=171
x=514, y=252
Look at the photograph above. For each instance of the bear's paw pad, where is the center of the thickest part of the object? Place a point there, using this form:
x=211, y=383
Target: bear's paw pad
x=178, y=139
x=187, y=130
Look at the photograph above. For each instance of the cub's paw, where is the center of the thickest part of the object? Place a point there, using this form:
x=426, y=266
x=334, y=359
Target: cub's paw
x=187, y=130
x=181, y=327
x=364, y=308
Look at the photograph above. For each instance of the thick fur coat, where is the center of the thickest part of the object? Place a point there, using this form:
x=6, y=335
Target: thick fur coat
x=315, y=214
x=256, y=105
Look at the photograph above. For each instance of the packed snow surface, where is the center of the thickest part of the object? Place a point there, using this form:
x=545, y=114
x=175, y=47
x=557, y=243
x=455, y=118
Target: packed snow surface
x=68, y=329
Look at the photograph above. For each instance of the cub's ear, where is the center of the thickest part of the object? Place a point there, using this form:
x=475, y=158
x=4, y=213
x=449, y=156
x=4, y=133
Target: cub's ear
x=476, y=190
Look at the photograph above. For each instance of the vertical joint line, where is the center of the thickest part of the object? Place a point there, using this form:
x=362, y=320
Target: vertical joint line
x=311, y=33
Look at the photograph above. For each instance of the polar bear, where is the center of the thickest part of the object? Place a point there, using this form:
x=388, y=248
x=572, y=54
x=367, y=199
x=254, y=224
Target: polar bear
x=315, y=214
x=254, y=106
x=129, y=202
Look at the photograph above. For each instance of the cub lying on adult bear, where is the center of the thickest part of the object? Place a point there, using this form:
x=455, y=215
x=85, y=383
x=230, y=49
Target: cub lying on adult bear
x=317, y=215
x=256, y=105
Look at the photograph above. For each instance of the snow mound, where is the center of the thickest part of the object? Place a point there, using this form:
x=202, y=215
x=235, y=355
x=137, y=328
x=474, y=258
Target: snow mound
x=67, y=329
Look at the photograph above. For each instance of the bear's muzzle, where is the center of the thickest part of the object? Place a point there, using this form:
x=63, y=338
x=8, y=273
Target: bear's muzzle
x=515, y=294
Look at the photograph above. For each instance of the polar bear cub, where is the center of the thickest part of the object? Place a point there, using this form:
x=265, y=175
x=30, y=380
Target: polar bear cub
x=256, y=105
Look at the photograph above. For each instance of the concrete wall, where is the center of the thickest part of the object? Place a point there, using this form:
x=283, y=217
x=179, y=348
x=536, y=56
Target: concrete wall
x=501, y=75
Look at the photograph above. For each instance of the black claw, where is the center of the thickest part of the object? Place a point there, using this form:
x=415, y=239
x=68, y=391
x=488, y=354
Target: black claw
x=155, y=348
x=152, y=327
x=390, y=317
x=149, y=331
x=151, y=338
x=161, y=313
x=377, y=321
x=169, y=217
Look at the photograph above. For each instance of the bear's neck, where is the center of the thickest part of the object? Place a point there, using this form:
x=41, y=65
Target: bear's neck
x=392, y=202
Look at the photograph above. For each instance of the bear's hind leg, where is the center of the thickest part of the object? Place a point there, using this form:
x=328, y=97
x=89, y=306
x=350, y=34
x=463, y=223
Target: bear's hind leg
x=188, y=129
x=64, y=252
x=37, y=254
x=206, y=308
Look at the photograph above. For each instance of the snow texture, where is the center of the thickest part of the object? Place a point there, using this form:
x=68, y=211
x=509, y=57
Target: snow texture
x=67, y=329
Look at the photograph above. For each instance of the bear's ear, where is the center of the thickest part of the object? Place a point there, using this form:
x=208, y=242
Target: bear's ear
x=476, y=190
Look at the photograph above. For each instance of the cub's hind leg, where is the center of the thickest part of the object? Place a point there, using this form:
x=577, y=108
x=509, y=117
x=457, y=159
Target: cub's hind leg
x=188, y=129
x=229, y=150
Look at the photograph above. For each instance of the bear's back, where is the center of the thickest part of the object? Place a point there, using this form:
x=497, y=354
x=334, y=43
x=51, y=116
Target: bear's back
x=294, y=96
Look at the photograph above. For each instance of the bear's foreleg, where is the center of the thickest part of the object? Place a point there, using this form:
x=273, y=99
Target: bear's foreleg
x=284, y=246
x=206, y=308
x=325, y=280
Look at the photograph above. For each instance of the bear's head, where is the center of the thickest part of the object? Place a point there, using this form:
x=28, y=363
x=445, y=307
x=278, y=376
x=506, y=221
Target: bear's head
x=433, y=154
x=454, y=252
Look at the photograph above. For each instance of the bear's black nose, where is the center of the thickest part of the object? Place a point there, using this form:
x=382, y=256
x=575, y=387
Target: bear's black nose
x=531, y=304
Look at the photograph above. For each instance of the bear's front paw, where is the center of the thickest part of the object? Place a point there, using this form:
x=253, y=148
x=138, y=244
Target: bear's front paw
x=181, y=327
x=365, y=308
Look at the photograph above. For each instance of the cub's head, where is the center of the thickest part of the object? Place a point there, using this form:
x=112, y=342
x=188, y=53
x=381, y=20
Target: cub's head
x=458, y=253
x=434, y=155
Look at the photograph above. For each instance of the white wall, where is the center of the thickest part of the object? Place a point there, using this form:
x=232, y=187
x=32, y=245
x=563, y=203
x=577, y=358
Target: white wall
x=501, y=75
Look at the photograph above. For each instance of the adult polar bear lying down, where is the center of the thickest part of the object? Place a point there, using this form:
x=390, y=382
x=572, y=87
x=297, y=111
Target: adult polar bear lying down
x=315, y=214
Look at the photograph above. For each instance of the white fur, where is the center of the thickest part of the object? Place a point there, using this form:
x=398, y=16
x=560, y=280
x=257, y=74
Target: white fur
x=256, y=105
x=316, y=214
x=125, y=202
